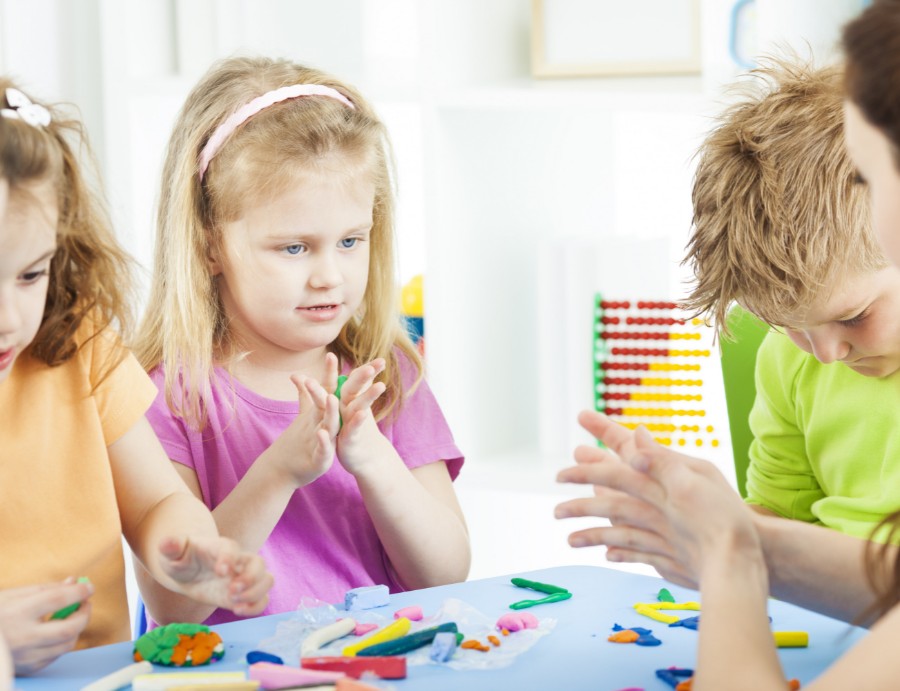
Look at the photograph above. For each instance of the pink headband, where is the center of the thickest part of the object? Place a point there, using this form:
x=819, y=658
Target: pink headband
x=259, y=103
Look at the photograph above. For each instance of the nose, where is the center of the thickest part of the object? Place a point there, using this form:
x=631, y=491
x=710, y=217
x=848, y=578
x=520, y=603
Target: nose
x=827, y=346
x=326, y=271
x=10, y=319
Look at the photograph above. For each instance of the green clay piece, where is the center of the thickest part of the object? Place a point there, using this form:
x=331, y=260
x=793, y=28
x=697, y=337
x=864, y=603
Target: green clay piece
x=66, y=611
x=405, y=644
x=664, y=595
x=555, y=597
x=540, y=587
x=459, y=638
x=157, y=645
x=337, y=392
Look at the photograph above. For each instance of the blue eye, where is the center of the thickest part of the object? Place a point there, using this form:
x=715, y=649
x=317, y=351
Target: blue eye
x=33, y=276
x=294, y=249
x=347, y=243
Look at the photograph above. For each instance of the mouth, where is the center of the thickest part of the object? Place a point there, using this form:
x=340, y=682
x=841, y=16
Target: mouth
x=6, y=357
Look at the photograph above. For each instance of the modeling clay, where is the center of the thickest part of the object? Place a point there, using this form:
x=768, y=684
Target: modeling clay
x=161, y=682
x=651, y=609
x=349, y=684
x=179, y=645
x=540, y=587
x=791, y=639
x=404, y=644
x=363, y=629
x=337, y=392
x=494, y=641
x=388, y=633
x=413, y=613
x=664, y=595
x=119, y=678
x=641, y=636
x=673, y=676
x=272, y=676
x=624, y=636
x=555, y=597
x=384, y=667
x=367, y=597
x=259, y=656
x=443, y=646
x=516, y=621
x=325, y=635
x=472, y=644
x=688, y=623
x=66, y=611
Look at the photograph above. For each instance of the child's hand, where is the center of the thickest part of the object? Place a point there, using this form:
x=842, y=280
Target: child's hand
x=35, y=640
x=359, y=436
x=217, y=572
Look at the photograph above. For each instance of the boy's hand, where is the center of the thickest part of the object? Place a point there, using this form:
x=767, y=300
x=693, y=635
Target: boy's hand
x=34, y=639
x=217, y=572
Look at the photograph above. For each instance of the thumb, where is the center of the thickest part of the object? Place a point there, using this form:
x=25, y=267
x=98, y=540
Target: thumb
x=173, y=548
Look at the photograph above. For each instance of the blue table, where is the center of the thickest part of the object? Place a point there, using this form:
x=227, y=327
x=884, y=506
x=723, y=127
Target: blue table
x=574, y=655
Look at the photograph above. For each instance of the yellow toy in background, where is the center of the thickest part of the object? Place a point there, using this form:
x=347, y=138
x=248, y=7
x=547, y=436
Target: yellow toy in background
x=412, y=307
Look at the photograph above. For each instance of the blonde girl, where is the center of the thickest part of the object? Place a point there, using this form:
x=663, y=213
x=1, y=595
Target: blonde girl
x=79, y=465
x=274, y=273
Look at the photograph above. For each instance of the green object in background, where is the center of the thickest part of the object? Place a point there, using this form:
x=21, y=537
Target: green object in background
x=738, y=375
x=664, y=595
x=66, y=611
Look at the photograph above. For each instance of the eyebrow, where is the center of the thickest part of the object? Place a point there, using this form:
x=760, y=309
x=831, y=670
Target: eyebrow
x=46, y=255
x=365, y=228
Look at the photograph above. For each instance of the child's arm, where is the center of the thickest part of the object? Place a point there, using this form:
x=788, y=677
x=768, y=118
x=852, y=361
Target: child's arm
x=415, y=512
x=34, y=638
x=175, y=538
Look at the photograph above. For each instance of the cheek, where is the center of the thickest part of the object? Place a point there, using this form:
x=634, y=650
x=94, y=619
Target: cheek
x=799, y=340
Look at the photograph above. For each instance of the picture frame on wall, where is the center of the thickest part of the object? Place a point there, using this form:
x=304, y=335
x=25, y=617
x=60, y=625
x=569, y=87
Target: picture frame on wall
x=597, y=38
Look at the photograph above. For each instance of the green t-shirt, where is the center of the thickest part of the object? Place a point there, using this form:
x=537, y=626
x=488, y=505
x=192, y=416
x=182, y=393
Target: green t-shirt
x=826, y=445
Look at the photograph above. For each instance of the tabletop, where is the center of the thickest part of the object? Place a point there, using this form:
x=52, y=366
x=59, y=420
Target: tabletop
x=573, y=654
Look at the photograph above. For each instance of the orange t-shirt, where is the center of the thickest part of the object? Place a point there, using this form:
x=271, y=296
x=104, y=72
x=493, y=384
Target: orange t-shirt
x=58, y=511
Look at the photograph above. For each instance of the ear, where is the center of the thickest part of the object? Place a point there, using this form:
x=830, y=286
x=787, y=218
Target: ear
x=213, y=259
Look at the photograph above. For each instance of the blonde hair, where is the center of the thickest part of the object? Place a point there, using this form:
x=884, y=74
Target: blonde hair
x=90, y=279
x=778, y=213
x=185, y=329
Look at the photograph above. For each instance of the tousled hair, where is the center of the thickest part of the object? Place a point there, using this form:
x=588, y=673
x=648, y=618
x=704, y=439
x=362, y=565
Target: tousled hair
x=871, y=45
x=185, y=329
x=89, y=286
x=778, y=213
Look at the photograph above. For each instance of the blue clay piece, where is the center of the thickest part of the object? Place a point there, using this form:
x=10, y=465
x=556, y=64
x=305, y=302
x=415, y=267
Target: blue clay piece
x=255, y=656
x=687, y=622
x=367, y=597
x=674, y=676
x=443, y=646
x=648, y=640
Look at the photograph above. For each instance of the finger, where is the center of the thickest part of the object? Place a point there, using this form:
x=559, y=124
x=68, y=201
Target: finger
x=173, y=548
x=618, y=476
x=635, y=541
x=668, y=568
x=619, y=508
x=602, y=428
x=593, y=454
x=329, y=383
x=331, y=419
x=365, y=400
x=317, y=393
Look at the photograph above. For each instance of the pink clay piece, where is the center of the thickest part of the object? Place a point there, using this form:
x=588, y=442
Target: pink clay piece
x=413, y=613
x=516, y=621
x=362, y=629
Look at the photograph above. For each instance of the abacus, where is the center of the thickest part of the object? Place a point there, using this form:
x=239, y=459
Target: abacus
x=648, y=369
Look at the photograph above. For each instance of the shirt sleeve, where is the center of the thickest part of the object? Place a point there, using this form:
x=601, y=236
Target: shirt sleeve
x=171, y=431
x=121, y=389
x=780, y=477
x=419, y=432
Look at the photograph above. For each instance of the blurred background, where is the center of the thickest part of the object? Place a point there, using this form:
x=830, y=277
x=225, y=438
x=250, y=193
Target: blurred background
x=544, y=153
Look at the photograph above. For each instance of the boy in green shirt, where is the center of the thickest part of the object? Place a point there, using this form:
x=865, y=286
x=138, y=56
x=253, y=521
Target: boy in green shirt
x=782, y=227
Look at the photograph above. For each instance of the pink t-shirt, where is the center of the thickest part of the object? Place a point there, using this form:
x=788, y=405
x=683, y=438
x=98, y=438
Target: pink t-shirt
x=325, y=542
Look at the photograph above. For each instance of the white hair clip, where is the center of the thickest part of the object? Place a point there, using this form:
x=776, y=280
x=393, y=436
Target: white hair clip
x=21, y=108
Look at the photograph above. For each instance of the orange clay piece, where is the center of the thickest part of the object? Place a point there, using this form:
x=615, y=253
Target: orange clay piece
x=624, y=636
x=794, y=684
x=505, y=632
x=472, y=644
x=684, y=685
x=494, y=640
x=200, y=646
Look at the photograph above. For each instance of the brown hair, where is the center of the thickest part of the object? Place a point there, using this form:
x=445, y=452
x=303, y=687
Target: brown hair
x=777, y=211
x=89, y=280
x=872, y=48
x=185, y=328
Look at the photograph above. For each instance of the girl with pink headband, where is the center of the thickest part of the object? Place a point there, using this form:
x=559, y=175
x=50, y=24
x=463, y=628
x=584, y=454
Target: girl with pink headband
x=274, y=277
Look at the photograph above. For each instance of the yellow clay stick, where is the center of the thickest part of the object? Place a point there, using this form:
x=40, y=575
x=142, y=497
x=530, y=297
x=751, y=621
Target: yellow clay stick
x=655, y=614
x=388, y=633
x=791, y=639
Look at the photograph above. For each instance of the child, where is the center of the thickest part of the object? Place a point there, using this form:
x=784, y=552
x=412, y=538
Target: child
x=81, y=466
x=274, y=272
x=661, y=501
x=782, y=227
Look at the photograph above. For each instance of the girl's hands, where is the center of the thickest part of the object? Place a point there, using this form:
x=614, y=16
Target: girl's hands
x=217, y=572
x=671, y=511
x=34, y=639
x=359, y=434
